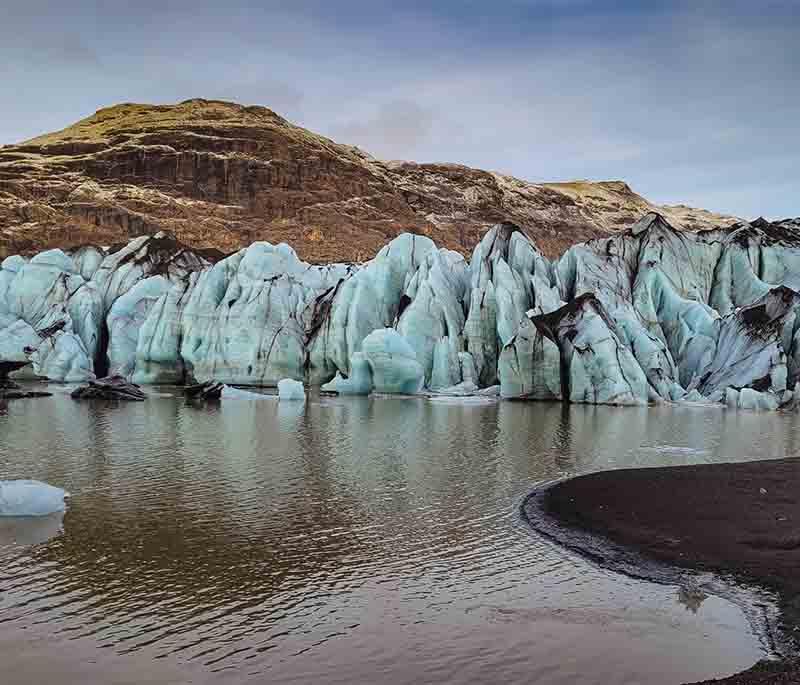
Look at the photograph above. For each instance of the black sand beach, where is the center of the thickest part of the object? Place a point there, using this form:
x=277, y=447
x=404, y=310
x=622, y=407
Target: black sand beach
x=741, y=519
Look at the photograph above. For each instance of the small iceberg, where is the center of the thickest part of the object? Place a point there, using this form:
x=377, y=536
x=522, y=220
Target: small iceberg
x=289, y=389
x=466, y=392
x=463, y=400
x=463, y=389
x=229, y=393
x=30, y=498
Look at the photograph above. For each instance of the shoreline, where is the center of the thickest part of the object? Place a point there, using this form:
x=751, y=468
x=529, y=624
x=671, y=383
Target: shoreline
x=727, y=529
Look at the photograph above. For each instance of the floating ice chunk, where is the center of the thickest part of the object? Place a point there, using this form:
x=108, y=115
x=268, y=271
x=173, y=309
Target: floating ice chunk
x=459, y=390
x=463, y=399
x=465, y=390
x=229, y=393
x=395, y=369
x=292, y=390
x=30, y=498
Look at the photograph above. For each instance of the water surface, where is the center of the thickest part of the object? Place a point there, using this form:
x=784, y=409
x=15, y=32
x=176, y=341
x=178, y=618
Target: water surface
x=347, y=540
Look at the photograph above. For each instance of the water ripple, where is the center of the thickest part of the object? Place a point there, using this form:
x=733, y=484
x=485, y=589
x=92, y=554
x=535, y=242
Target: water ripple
x=236, y=535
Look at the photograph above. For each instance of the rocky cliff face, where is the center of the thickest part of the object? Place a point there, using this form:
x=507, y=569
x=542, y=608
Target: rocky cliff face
x=220, y=176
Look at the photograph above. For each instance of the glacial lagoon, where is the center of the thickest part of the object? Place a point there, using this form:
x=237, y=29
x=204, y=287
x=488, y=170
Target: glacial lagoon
x=346, y=539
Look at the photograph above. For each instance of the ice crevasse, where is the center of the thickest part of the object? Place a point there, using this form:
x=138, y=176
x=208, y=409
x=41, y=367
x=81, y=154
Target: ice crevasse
x=647, y=315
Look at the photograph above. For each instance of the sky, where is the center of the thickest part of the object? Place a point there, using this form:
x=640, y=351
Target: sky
x=695, y=102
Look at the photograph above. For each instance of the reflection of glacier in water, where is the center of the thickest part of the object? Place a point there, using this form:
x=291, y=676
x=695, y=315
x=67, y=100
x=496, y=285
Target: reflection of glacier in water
x=357, y=539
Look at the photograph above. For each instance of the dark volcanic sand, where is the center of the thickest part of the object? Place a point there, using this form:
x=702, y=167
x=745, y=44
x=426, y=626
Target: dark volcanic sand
x=734, y=518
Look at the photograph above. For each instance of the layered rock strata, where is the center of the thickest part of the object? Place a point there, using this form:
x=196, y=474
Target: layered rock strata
x=220, y=175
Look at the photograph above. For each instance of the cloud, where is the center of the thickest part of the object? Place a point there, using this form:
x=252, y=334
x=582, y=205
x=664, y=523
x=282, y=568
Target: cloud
x=397, y=130
x=71, y=50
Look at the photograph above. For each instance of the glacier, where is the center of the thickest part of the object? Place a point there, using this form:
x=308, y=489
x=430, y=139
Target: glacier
x=650, y=314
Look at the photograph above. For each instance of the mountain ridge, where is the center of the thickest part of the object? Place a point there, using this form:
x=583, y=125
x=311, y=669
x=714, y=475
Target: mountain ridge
x=221, y=175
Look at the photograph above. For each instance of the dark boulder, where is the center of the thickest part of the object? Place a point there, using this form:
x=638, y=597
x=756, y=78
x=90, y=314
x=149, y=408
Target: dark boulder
x=208, y=390
x=110, y=388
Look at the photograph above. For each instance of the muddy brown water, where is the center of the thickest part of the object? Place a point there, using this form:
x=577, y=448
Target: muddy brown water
x=365, y=540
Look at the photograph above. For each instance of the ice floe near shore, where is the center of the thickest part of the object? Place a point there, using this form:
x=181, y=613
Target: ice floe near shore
x=648, y=315
x=30, y=498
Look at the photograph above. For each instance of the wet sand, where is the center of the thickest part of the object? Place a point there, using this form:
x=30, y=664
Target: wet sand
x=741, y=519
x=34, y=656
